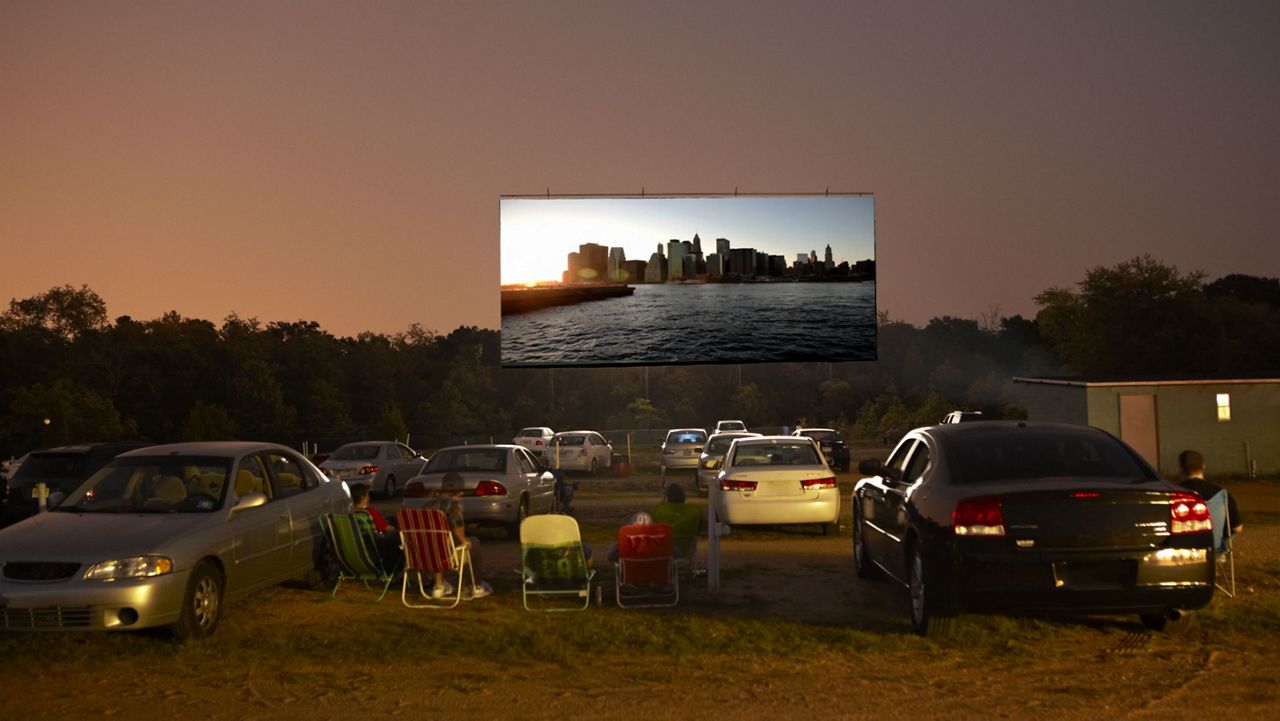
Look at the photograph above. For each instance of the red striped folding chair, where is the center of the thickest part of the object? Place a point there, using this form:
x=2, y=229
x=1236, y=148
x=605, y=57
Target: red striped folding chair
x=429, y=549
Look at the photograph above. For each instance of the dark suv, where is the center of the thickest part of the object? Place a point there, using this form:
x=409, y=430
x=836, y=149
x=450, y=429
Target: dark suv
x=61, y=469
x=832, y=444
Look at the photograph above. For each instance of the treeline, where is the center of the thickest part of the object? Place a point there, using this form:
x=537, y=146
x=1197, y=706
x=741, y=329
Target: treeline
x=68, y=373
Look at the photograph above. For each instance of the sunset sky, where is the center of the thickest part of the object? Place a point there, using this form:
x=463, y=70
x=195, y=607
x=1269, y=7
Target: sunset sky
x=343, y=162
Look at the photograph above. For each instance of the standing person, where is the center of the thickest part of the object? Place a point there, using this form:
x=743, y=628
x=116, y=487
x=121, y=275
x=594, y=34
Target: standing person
x=449, y=500
x=1191, y=477
x=369, y=518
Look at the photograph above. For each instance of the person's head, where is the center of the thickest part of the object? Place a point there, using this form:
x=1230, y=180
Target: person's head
x=452, y=484
x=675, y=493
x=1191, y=463
x=640, y=519
x=359, y=495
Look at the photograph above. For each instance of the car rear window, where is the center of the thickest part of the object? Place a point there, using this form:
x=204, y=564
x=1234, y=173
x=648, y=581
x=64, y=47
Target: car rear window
x=686, y=437
x=468, y=459
x=776, y=454
x=821, y=435
x=569, y=440
x=530, y=433
x=719, y=446
x=1020, y=454
x=365, y=452
x=46, y=466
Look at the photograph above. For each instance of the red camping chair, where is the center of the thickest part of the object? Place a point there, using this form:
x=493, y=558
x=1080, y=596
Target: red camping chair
x=645, y=575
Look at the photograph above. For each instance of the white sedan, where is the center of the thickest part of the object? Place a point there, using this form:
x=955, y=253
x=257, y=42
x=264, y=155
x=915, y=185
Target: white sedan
x=578, y=451
x=778, y=480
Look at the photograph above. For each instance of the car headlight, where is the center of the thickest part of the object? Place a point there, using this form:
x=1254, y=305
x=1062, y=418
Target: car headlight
x=135, y=567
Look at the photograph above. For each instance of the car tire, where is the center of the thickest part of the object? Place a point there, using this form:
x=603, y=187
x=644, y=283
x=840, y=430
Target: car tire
x=522, y=512
x=862, y=563
x=201, y=604
x=389, y=487
x=932, y=610
x=595, y=467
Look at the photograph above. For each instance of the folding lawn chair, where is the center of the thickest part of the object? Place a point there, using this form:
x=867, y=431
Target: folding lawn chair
x=356, y=552
x=429, y=548
x=645, y=575
x=686, y=522
x=1224, y=576
x=553, y=565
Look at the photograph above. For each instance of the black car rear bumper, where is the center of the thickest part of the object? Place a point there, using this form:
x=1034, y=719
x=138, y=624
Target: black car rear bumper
x=1147, y=580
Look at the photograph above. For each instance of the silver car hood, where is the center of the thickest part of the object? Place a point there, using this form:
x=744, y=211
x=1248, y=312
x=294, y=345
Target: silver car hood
x=59, y=535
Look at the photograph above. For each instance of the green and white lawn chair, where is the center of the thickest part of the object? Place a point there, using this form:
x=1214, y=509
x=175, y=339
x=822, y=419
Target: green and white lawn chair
x=356, y=552
x=553, y=564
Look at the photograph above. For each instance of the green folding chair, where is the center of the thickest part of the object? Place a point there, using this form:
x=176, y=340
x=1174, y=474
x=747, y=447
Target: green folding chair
x=553, y=565
x=356, y=552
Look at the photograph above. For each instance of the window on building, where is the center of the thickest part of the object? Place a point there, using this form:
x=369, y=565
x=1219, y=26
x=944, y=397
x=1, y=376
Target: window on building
x=1224, y=406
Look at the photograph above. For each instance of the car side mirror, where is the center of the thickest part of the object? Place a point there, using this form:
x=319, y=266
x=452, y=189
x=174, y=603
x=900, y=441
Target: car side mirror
x=250, y=500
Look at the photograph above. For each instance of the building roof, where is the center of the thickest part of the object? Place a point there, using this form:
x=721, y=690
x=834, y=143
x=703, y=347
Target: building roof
x=1150, y=380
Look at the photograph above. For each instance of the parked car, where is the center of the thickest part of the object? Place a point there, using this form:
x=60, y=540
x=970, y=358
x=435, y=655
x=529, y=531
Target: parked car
x=384, y=466
x=534, y=438
x=832, y=445
x=504, y=484
x=713, y=456
x=962, y=416
x=578, y=451
x=681, y=450
x=1008, y=515
x=726, y=426
x=778, y=480
x=165, y=536
x=61, y=469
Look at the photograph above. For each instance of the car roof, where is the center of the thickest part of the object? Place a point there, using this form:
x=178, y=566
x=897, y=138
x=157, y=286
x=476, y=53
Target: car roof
x=734, y=434
x=772, y=440
x=945, y=430
x=574, y=433
x=225, y=449
x=806, y=429
x=482, y=446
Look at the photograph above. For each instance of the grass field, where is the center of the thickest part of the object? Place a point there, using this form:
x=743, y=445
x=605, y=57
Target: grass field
x=792, y=632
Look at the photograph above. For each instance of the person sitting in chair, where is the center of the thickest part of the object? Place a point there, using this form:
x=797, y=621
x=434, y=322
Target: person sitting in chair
x=448, y=499
x=1191, y=477
x=370, y=519
x=685, y=521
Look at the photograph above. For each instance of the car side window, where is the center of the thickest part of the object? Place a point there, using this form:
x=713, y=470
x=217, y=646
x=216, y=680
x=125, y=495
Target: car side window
x=899, y=458
x=526, y=464
x=251, y=477
x=405, y=451
x=290, y=477
x=918, y=463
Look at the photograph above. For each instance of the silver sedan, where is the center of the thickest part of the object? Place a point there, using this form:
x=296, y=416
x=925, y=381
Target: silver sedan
x=164, y=536
x=502, y=484
x=383, y=466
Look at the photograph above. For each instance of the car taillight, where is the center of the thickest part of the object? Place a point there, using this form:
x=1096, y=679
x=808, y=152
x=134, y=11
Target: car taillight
x=1188, y=514
x=813, y=484
x=980, y=516
x=728, y=485
x=368, y=469
x=583, y=453
x=537, y=442
x=490, y=488
x=415, y=490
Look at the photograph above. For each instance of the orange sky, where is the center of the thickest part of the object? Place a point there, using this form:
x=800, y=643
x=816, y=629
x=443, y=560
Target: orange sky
x=342, y=162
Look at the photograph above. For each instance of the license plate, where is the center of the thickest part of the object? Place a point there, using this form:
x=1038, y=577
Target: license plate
x=1093, y=574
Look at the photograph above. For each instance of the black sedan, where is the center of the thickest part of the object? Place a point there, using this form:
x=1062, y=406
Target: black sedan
x=1029, y=516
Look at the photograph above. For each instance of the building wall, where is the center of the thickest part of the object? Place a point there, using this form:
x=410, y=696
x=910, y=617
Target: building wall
x=1057, y=403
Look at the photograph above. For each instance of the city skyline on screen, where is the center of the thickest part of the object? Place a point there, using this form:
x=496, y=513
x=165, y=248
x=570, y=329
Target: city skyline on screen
x=538, y=234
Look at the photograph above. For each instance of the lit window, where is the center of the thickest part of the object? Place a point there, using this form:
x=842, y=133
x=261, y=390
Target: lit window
x=1224, y=406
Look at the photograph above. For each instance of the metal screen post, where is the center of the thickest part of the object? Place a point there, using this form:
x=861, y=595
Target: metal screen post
x=715, y=529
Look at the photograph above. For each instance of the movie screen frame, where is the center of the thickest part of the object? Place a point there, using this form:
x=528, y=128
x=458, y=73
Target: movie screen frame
x=626, y=280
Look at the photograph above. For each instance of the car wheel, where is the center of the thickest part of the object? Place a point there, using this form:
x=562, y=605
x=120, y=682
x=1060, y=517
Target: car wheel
x=389, y=488
x=201, y=604
x=594, y=467
x=522, y=512
x=862, y=562
x=931, y=612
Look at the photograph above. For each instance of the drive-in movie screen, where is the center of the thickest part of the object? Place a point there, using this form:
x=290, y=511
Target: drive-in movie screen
x=617, y=281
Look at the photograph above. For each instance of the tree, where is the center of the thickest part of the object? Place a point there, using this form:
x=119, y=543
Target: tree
x=208, y=422
x=41, y=416
x=64, y=310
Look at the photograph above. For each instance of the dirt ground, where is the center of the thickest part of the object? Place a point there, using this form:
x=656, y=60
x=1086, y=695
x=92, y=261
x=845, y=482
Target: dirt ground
x=998, y=667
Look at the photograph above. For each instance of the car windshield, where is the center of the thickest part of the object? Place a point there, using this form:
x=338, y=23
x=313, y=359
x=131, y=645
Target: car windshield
x=468, y=459
x=686, y=437
x=1019, y=454
x=362, y=452
x=169, y=484
x=775, y=454
x=569, y=440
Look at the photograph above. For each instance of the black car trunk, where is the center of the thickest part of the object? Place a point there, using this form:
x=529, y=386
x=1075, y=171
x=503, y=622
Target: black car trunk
x=1072, y=514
